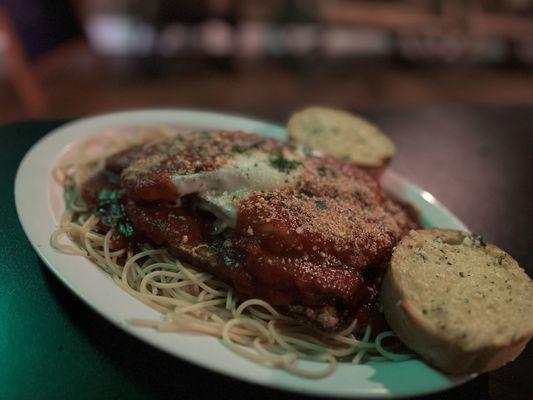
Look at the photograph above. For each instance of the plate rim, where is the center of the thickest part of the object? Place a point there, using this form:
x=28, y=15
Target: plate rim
x=103, y=121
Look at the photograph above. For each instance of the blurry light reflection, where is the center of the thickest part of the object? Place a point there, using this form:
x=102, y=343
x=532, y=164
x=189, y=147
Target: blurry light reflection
x=120, y=35
x=428, y=197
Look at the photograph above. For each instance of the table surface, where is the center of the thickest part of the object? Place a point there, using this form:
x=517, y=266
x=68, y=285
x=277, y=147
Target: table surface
x=476, y=160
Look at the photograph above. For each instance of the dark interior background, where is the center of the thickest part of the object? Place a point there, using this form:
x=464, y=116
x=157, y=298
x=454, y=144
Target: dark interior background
x=65, y=58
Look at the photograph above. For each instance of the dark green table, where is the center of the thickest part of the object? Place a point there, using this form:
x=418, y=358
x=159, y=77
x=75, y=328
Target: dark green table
x=477, y=160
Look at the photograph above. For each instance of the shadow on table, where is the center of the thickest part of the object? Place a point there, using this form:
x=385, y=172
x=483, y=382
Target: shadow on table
x=159, y=375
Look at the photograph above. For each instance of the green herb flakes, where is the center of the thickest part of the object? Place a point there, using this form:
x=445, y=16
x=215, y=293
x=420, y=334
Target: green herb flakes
x=283, y=164
x=320, y=204
x=238, y=149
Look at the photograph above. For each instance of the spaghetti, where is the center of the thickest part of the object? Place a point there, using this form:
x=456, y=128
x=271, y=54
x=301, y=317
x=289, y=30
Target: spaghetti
x=192, y=300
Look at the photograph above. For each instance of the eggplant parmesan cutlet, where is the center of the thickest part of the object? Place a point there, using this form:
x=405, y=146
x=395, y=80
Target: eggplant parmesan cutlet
x=310, y=235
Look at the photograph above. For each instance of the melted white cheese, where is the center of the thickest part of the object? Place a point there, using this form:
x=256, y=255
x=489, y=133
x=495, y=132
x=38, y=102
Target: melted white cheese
x=222, y=205
x=220, y=190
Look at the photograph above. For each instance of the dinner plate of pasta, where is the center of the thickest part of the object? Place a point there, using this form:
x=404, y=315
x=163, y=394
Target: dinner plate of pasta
x=251, y=249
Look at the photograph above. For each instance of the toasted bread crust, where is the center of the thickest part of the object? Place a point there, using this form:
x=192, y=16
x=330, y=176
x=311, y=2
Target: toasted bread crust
x=376, y=172
x=343, y=135
x=438, y=347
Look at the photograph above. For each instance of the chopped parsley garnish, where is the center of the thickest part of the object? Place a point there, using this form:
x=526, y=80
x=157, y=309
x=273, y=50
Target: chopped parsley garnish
x=238, y=148
x=324, y=171
x=221, y=247
x=461, y=274
x=125, y=229
x=217, y=245
x=283, y=164
x=320, y=204
x=111, y=211
x=108, y=195
x=231, y=262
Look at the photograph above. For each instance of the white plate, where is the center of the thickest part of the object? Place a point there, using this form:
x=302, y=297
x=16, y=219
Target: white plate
x=39, y=204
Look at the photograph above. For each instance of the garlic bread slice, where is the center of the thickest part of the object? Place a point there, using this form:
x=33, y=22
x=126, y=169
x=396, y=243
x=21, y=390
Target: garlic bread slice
x=342, y=135
x=462, y=304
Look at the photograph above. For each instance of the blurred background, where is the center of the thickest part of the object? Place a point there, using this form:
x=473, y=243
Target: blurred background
x=70, y=58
